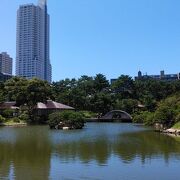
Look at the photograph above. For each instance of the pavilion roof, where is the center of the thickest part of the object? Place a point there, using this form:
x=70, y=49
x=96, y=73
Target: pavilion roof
x=8, y=105
x=53, y=105
x=48, y=105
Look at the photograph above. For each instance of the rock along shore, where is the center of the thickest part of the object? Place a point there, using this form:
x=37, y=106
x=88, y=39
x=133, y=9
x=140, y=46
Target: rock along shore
x=172, y=131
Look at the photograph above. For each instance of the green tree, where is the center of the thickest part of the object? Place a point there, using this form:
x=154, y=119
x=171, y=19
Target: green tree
x=168, y=110
x=28, y=93
x=100, y=83
x=101, y=102
x=73, y=120
x=86, y=84
x=128, y=105
x=62, y=90
x=16, y=90
x=2, y=92
x=2, y=119
x=37, y=91
x=123, y=87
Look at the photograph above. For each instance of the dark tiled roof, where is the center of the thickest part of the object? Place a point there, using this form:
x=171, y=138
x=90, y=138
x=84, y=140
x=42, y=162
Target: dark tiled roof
x=8, y=105
x=49, y=105
x=53, y=105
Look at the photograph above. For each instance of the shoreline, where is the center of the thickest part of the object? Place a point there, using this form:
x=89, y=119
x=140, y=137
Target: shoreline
x=13, y=124
x=171, y=131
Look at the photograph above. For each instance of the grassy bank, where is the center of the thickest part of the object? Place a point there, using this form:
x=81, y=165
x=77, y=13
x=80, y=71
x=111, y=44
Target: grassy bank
x=176, y=126
x=11, y=122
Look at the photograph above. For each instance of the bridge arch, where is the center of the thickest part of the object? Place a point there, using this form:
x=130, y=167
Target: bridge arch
x=117, y=115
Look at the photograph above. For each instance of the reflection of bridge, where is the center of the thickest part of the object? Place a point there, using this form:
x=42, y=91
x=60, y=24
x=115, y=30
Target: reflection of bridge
x=116, y=115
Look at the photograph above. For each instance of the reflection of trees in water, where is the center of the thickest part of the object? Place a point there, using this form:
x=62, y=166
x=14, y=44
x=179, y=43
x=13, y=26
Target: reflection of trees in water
x=29, y=155
x=85, y=151
x=144, y=145
x=31, y=149
x=5, y=160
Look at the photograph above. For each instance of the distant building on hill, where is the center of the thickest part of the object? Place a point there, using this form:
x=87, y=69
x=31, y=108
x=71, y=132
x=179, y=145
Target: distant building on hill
x=5, y=63
x=161, y=76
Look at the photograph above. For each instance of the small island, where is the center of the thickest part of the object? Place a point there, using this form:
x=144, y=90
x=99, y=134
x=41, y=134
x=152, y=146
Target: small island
x=67, y=120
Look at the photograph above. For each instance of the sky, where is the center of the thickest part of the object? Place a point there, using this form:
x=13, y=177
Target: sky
x=111, y=37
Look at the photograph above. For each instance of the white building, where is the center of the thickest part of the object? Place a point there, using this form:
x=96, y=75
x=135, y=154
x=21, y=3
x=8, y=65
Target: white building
x=32, y=43
x=5, y=63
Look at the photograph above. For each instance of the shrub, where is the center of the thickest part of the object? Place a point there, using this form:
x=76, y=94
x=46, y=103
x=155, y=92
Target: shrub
x=73, y=120
x=177, y=119
x=89, y=114
x=8, y=113
x=16, y=120
x=54, y=119
x=2, y=119
x=139, y=117
x=144, y=117
x=164, y=115
x=149, y=119
x=177, y=125
x=24, y=117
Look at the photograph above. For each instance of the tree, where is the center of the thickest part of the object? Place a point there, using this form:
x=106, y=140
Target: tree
x=86, y=84
x=123, y=87
x=2, y=97
x=70, y=119
x=100, y=82
x=16, y=90
x=37, y=91
x=168, y=110
x=62, y=90
x=128, y=105
x=101, y=102
x=78, y=98
x=28, y=93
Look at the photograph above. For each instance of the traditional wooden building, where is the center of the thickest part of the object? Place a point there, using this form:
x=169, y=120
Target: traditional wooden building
x=50, y=107
x=8, y=105
x=41, y=108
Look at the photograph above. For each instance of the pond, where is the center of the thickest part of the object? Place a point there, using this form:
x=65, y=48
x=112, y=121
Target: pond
x=101, y=151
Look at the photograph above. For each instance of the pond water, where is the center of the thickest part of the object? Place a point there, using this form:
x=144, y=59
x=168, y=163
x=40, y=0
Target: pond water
x=101, y=151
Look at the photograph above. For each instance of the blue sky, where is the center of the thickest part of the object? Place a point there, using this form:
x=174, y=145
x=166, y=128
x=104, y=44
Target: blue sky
x=112, y=37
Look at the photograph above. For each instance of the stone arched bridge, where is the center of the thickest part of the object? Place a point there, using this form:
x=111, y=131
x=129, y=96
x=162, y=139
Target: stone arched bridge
x=116, y=115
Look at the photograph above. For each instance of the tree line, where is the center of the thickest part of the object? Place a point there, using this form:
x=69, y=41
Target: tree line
x=98, y=95
x=95, y=94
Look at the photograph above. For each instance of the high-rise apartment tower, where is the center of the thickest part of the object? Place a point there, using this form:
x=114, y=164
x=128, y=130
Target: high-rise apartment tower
x=32, y=43
x=5, y=63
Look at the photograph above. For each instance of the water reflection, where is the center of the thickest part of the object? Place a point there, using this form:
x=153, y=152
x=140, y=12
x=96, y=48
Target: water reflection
x=144, y=145
x=31, y=152
x=28, y=152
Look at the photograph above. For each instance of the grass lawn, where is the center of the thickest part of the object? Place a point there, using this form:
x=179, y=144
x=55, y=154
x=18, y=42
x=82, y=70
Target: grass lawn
x=12, y=123
x=176, y=126
x=89, y=114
